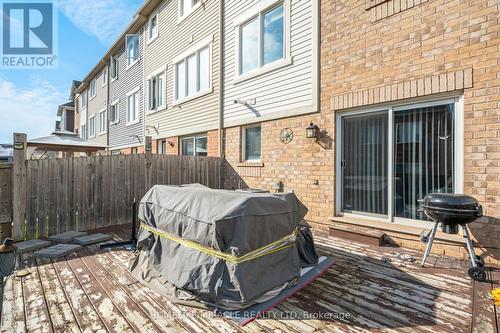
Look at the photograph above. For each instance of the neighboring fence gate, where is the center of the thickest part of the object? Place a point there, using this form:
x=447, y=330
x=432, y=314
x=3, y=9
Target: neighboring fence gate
x=85, y=193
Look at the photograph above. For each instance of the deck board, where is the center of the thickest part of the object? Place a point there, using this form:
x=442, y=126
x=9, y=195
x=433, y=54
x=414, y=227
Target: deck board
x=368, y=289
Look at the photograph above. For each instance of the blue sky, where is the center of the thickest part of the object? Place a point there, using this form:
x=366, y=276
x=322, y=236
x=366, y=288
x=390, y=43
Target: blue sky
x=29, y=98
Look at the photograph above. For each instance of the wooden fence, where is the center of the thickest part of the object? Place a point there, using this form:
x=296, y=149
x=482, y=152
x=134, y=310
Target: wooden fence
x=5, y=200
x=86, y=193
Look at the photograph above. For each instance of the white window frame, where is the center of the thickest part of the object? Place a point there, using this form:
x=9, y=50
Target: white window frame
x=114, y=59
x=101, y=132
x=259, y=11
x=193, y=138
x=205, y=43
x=137, y=112
x=151, y=38
x=115, y=103
x=92, y=120
x=182, y=16
x=92, y=94
x=158, y=72
x=458, y=102
x=83, y=131
x=105, y=76
x=135, y=61
x=84, y=97
x=244, y=141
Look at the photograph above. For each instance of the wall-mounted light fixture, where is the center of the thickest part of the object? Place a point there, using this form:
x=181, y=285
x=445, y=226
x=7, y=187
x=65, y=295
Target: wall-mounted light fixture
x=171, y=143
x=312, y=131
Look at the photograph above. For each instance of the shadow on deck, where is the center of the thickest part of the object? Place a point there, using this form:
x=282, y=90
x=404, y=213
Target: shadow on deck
x=368, y=289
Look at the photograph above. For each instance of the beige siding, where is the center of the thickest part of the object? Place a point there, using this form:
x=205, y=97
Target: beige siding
x=288, y=90
x=197, y=115
x=96, y=105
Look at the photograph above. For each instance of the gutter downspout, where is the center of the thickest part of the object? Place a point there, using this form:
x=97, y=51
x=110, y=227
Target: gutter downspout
x=221, y=90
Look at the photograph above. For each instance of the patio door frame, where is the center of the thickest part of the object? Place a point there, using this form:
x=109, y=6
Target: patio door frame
x=391, y=109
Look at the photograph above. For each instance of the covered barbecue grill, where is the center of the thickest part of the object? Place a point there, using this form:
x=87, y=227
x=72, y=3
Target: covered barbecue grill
x=453, y=211
x=221, y=249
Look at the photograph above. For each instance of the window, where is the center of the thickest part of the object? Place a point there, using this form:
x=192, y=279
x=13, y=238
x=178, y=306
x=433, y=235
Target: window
x=156, y=91
x=153, y=28
x=92, y=89
x=83, y=132
x=92, y=126
x=133, y=107
x=83, y=100
x=187, y=6
x=390, y=159
x=114, y=112
x=192, y=74
x=194, y=146
x=134, y=150
x=251, y=143
x=262, y=39
x=162, y=147
x=114, y=68
x=102, y=122
x=132, y=49
x=105, y=76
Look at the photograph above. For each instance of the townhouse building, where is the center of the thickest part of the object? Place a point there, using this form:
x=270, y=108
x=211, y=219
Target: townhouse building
x=92, y=105
x=182, y=77
x=75, y=84
x=126, y=94
x=360, y=107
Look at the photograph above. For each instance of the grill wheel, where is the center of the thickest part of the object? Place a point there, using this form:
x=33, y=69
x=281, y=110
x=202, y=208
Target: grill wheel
x=477, y=273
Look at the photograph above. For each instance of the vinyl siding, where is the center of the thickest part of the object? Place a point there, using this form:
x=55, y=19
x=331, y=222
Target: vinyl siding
x=121, y=135
x=288, y=90
x=96, y=105
x=200, y=114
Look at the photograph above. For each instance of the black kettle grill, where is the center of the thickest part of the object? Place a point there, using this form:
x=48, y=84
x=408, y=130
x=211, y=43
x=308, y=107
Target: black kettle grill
x=453, y=211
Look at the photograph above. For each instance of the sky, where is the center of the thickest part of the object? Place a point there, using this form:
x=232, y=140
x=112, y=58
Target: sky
x=29, y=98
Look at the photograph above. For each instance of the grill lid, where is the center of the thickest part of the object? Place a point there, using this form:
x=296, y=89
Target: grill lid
x=447, y=201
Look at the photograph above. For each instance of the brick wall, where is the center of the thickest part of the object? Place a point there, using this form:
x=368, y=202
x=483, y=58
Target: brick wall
x=303, y=165
x=429, y=48
x=435, y=46
x=173, y=145
x=213, y=143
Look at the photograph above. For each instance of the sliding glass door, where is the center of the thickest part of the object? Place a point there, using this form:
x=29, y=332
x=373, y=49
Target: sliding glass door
x=364, y=163
x=390, y=159
x=424, y=143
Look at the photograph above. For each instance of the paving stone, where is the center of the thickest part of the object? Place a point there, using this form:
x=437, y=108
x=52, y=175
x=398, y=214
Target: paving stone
x=57, y=251
x=32, y=245
x=67, y=237
x=92, y=239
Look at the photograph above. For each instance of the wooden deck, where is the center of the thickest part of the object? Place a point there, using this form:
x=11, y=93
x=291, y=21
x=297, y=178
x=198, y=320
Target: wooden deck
x=369, y=289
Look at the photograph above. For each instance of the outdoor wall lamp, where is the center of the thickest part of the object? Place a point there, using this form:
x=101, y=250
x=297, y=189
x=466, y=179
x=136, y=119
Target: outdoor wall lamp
x=312, y=131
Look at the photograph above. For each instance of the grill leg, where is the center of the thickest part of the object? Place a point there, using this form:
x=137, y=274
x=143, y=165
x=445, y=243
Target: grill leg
x=429, y=244
x=470, y=248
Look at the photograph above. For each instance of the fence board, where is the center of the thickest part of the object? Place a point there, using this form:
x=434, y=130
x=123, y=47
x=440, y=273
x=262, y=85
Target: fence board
x=6, y=200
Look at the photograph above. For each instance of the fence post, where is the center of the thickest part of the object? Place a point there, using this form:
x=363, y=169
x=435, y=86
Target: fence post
x=19, y=186
x=148, y=147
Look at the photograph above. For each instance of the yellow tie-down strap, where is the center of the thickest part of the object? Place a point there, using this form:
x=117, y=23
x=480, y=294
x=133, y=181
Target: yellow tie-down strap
x=281, y=244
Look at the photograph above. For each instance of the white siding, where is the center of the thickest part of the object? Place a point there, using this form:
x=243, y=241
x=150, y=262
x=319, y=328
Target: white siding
x=286, y=91
x=121, y=135
x=96, y=105
x=200, y=114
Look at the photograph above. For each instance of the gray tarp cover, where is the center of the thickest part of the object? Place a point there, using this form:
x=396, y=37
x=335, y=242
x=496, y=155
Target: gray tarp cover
x=230, y=222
